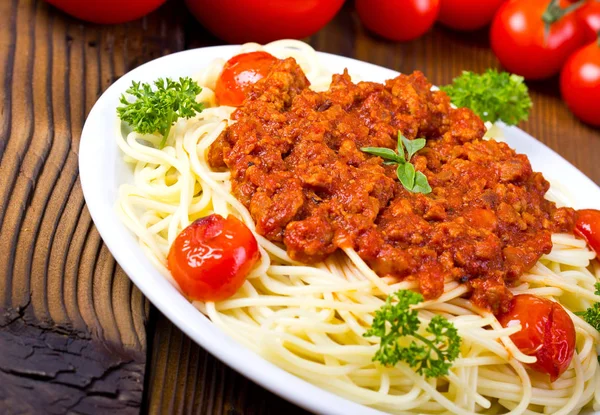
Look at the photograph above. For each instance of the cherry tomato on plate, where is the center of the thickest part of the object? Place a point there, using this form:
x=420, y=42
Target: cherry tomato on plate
x=107, y=11
x=588, y=227
x=263, y=21
x=547, y=332
x=589, y=17
x=467, y=14
x=398, y=20
x=521, y=43
x=239, y=74
x=580, y=83
x=211, y=258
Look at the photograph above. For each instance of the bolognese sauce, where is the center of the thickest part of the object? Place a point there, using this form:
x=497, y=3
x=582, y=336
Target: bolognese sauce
x=296, y=164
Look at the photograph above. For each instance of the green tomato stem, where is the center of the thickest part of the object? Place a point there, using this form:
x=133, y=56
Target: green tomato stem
x=554, y=13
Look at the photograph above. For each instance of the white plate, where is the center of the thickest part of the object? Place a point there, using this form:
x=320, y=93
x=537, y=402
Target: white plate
x=102, y=170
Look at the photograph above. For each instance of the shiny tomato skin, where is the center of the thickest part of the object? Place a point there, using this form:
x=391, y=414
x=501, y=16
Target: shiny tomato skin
x=107, y=11
x=211, y=258
x=239, y=74
x=467, y=14
x=398, y=20
x=589, y=18
x=580, y=84
x=588, y=227
x=263, y=21
x=518, y=39
x=547, y=332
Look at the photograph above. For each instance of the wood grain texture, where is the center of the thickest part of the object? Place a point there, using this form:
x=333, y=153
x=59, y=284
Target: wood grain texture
x=53, y=370
x=72, y=326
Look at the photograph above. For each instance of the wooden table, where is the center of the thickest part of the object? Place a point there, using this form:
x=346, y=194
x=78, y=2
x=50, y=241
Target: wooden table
x=75, y=334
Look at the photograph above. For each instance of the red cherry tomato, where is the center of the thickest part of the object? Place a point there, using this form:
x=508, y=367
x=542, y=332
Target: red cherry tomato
x=398, y=20
x=263, y=21
x=588, y=227
x=589, y=17
x=547, y=332
x=211, y=258
x=580, y=83
x=468, y=14
x=239, y=74
x=107, y=11
x=519, y=40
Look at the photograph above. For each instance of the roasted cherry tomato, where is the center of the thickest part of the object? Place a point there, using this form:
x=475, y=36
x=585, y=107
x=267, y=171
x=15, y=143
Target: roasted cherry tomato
x=263, y=20
x=589, y=17
x=107, y=11
x=521, y=43
x=588, y=227
x=547, y=332
x=468, y=14
x=580, y=83
x=239, y=74
x=398, y=20
x=211, y=258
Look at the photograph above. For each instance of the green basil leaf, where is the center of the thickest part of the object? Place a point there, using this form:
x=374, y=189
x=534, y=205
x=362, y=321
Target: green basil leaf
x=412, y=146
x=384, y=153
x=400, y=146
x=411, y=179
x=406, y=174
x=421, y=184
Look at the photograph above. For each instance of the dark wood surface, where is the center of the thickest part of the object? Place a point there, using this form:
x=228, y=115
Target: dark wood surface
x=75, y=334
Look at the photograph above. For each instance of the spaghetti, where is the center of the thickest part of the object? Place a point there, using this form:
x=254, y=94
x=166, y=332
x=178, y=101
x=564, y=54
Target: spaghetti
x=310, y=320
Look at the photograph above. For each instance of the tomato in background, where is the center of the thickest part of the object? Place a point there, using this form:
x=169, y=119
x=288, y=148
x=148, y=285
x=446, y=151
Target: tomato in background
x=398, y=20
x=468, y=14
x=519, y=40
x=589, y=18
x=263, y=21
x=239, y=74
x=107, y=11
x=547, y=332
x=588, y=227
x=211, y=258
x=580, y=83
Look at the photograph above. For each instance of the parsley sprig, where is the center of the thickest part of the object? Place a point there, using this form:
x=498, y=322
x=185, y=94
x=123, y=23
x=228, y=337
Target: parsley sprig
x=431, y=352
x=156, y=110
x=592, y=314
x=414, y=181
x=492, y=95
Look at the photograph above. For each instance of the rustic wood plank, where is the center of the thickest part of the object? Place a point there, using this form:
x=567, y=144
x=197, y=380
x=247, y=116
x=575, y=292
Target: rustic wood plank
x=72, y=325
x=51, y=369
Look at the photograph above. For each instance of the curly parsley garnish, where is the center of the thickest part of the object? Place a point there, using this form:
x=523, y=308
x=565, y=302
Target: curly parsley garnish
x=492, y=95
x=592, y=314
x=156, y=110
x=412, y=180
x=431, y=352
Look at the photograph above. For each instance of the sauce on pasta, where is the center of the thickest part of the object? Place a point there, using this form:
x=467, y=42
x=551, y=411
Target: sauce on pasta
x=297, y=165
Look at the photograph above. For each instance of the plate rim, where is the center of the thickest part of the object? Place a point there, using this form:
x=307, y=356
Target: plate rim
x=246, y=362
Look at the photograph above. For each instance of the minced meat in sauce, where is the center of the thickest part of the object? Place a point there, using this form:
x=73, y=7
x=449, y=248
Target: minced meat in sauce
x=296, y=164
